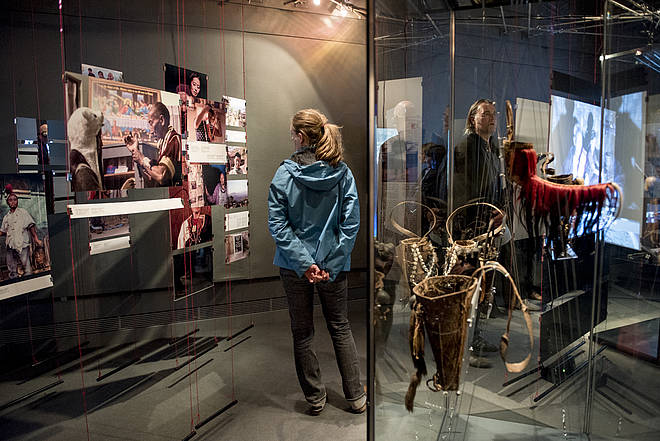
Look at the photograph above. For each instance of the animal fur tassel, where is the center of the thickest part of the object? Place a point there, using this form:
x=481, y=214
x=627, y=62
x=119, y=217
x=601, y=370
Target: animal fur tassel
x=416, y=339
x=415, y=379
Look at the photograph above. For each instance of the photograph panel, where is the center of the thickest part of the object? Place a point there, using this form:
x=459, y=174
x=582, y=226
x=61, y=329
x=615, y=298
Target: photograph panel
x=236, y=114
x=189, y=82
x=237, y=246
x=191, y=225
x=205, y=120
x=137, y=145
x=102, y=72
x=237, y=193
x=237, y=160
x=215, y=184
x=24, y=239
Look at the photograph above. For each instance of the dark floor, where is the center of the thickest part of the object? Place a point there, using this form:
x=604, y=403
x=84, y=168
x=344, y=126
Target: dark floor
x=157, y=396
x=152, y=400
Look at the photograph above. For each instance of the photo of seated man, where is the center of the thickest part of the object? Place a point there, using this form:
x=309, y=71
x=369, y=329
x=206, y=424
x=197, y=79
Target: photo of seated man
x=165, y=170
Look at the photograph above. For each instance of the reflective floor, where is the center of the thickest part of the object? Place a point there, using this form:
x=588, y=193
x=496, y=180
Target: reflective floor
x=530, y=408
x=146, y=391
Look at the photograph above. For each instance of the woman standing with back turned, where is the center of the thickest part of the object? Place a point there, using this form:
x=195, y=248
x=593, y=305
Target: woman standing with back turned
x=314, y=217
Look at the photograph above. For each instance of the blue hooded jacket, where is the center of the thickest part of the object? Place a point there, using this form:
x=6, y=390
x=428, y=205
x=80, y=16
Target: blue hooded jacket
x=313, y=216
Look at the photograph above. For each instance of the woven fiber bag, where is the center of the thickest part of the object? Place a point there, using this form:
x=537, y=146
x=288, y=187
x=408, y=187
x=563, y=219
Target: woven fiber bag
x=415, y=254
x=440, y=313
x=442, y=306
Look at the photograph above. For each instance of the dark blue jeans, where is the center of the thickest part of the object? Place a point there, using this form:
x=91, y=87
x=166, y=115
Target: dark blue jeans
x=334, y=302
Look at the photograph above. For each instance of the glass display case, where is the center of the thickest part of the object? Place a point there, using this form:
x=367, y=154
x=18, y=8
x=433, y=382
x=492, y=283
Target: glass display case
x=515, y=220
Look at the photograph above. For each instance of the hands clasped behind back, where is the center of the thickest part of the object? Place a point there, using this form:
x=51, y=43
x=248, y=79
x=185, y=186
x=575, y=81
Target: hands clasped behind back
x=314, y=274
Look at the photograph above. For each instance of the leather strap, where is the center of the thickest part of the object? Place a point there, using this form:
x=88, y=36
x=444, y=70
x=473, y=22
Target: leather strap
x=504, y=342
x=406, y=231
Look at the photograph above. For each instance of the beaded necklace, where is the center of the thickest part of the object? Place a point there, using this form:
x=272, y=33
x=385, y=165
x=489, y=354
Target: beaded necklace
x=418, y=261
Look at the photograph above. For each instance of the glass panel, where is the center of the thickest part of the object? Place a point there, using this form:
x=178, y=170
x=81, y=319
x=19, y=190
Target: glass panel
x=139, y=321
x=526, y=55
x=624, y=376
x=412, y=114
x=547, y=167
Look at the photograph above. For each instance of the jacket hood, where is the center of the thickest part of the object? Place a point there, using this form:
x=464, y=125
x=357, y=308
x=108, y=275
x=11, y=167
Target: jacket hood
x=319, y=175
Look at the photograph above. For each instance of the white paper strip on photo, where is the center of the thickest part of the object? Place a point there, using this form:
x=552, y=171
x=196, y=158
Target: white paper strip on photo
x=28, y=148
x=235, y=136
x=206, y=153
x=107, y=245
x=77, y=211
x=236, y=103
x=169, y=98
x=25, y=286
x=28, y=160
x=235, y=221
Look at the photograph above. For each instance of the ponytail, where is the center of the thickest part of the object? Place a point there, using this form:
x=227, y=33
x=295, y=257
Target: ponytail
x=325, y=136
x=330, y=148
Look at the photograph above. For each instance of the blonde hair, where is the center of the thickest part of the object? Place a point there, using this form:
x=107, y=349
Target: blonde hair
x=469, y=123
x=325, y=136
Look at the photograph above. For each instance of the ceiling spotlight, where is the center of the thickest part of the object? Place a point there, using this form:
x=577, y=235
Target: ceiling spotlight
x=317, y=2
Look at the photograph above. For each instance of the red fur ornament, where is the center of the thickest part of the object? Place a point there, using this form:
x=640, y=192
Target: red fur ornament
x=548, y=202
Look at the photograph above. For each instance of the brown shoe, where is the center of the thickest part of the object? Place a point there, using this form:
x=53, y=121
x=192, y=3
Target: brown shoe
x=535, y=296
x=316, y=409
x=359, y=409
x=359, y=406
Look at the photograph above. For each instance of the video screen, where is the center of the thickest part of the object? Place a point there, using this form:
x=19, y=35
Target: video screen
x=629, y=147
x=575, y=139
